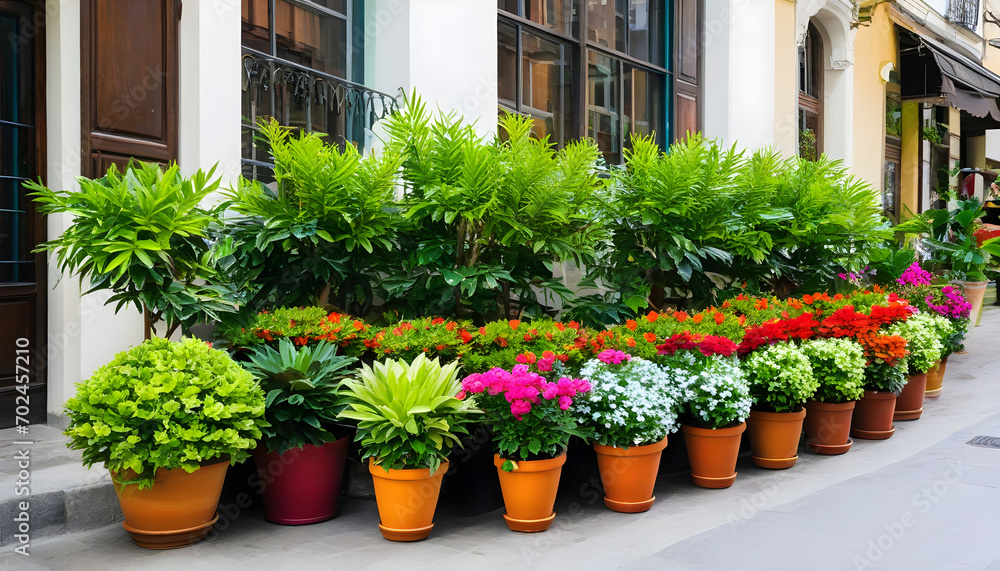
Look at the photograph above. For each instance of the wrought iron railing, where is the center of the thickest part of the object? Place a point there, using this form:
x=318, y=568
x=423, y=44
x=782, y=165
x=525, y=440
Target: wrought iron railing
x=965, y=13
x=354, y=106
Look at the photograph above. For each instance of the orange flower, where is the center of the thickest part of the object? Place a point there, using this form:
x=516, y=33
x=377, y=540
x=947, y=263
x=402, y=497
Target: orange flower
x=440, y=347
x=358, y=324
x=719, y=318
x=725, y=304
x=649, y=336
x=514, y=323
x=630, y=342
x=697, y=318
x=681, y=316
x=548, y=355
x=838, y=297
x=482, y=331
x=450, y=326
x=573, y=325
x=631, y=324
x=742, y=319
x=807, y=299
x=560, y=326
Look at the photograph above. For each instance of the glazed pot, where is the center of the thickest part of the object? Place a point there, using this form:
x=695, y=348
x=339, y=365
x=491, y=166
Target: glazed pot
x=180, y=508
x=873, y=416
x=974, y=293
x=935, y=377
x=529, y=492
x=774, y=437
x=910, y=402
x=406, y=500
x=629, y=474
x=713, y=454
x=302, y=485
x=828, y=427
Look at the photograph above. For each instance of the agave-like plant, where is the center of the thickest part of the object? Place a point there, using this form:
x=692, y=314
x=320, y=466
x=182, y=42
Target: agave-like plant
x=302, y=399
x=409, y=414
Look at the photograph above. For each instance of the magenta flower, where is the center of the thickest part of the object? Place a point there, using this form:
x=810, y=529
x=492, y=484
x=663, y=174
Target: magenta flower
x=914, y=275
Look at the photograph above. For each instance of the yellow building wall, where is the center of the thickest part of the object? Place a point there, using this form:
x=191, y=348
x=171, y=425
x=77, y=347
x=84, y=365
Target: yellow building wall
x=786, y=89
x=874, y=46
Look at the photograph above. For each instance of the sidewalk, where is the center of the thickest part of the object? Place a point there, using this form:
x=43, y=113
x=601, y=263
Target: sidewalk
x=922, y=500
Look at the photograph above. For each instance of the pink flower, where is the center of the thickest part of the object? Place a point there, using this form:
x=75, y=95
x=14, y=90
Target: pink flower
x=565, y=402
x=519, y=408
x=545, y=365
x=551, y=391
x=613, y=357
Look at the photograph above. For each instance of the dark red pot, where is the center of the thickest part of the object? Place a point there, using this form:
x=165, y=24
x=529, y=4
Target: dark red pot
x=302, y=485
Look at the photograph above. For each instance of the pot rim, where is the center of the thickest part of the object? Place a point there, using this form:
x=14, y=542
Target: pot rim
x=405, y=473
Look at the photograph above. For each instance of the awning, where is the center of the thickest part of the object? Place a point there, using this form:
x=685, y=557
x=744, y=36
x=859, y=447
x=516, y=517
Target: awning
x=930, y=68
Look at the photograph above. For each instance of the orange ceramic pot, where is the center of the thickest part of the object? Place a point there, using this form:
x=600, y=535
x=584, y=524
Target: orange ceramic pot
x=910, y=402
x=873, y=416
x=180, y=508
x=935, y=377
x=713, y=453
x=529, y=492
x=774, y=437
x=828, y=427
x=628, y=475
x=406, y=500
x=974, y=293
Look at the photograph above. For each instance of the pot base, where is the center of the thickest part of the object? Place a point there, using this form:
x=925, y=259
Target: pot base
x=829, y=449
x=872, y=434
x=933, y=393
x=300, y=521
x=415, y=534
x=529, y=525
x=714, y=483
x=775, y=463
x=908, y=414
x=629, y=507
x=170, y=539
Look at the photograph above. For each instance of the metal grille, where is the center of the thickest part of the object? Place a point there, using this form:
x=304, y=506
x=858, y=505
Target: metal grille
x=985, y=441
x=965, y=13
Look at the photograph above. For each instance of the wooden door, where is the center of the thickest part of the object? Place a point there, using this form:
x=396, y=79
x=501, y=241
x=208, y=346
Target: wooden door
x=22, y=274
x=129, y=82
x=687, y=23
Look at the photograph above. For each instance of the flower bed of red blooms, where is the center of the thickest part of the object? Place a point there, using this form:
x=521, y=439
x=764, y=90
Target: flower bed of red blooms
x=739, y=326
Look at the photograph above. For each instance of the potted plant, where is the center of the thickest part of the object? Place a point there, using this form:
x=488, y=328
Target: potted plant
x=781, y=380
x=301, y=456
x=142, y=235
x=948, y=303
x=631, y=408
x=167, y=419
x=839, y=367
x=885, y=376
x=924, y=344
x=409, y=417
x=532, y=422
x=716, y=404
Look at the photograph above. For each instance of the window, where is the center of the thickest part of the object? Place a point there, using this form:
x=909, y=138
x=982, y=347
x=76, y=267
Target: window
x=609, y=83
x=303, y=66
x=811, y=95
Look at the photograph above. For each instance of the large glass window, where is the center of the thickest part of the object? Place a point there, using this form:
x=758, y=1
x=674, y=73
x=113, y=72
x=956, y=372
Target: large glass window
x=303, y=67
x=619, y=90
x=811, y=95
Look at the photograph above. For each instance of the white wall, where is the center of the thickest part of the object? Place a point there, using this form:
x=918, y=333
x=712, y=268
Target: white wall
x=445, y=49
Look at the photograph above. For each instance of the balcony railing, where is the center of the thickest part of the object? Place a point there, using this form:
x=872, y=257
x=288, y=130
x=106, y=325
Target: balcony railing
x=965, y=13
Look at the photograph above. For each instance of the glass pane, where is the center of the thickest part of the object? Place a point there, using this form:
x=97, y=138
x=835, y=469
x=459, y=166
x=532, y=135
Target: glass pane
x=893, y=114
x=604, y=86
x=507, y=65
x=329, y=113
x=312, y=40
x=809, y=147
x=889, y=190
x=13, y=195
x=15, y=242
x=15, y=150
x=645, y=31
x=606, y=22
x=508, y=6
x=547, y=86
x=255, y=32
x=644, y=104
x=554, y=14
x=338, y=5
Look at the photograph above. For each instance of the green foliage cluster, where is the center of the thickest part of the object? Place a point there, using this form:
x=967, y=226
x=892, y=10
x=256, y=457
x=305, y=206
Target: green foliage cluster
x=321, y=233
x=142, y=235
x=408, y=414
x=923, y=341
x=781, y=378
x=301, y=384
x=165, y=405
x=950, y=235
x=839, y=367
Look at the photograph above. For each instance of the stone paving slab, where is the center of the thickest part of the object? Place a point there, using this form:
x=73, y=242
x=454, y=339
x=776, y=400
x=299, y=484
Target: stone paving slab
x=820, y=515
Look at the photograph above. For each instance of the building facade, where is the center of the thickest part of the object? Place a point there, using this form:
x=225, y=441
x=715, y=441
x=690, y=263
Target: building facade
x=89, y=83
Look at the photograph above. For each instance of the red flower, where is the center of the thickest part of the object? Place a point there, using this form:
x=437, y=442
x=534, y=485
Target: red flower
x=437, y=321
x=681, y=316
x=719, y=318
x=465, y=335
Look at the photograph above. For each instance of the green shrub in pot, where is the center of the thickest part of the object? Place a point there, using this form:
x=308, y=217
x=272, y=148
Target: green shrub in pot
x=781, y=378
x=839, y=366
x=165, y=405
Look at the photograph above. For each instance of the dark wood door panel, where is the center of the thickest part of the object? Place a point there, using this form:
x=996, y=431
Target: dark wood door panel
x=16, y=321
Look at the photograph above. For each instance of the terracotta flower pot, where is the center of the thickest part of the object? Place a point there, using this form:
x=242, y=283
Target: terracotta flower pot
x=774, y=437
x=910, y=402
x=529, y=492
x=629, y=475
x=935, y=377
x=406, y=500
x=180, y=508
x=828, y=427
x=974, y=293
x=713, y=454
x=873, y=416
x=302, y=485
